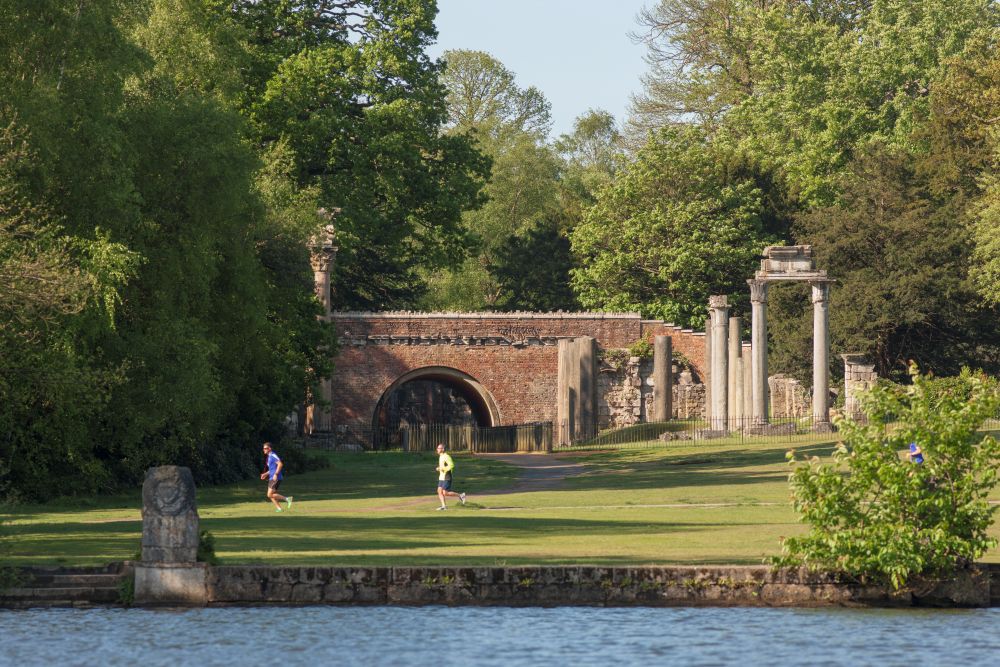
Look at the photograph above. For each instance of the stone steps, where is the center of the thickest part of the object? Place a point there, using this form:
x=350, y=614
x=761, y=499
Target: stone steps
x=67, y=587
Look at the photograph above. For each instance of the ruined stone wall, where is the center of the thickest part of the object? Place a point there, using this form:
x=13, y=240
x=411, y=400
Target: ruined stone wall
x=625, y=387
x=788, y=397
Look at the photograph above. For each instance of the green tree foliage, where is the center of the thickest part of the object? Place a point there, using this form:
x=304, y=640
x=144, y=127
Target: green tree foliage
x=900, y=262
x=171, y=317
x=871, y=125
x=346, y=85
x=508, y=124
x=874, y=514
x=676, y=226
x=484, y=98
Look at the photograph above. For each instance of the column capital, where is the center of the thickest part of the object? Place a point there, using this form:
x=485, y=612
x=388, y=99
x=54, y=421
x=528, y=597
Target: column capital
x=820, y=292
x=758, y=290
x=718, y=308
x=718, y=301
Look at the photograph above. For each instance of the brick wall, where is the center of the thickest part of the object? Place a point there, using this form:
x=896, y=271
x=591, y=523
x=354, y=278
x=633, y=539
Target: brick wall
x=514, y=356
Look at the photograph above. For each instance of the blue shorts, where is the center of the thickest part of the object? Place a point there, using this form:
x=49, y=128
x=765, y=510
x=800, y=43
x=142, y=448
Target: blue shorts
x=444, y=484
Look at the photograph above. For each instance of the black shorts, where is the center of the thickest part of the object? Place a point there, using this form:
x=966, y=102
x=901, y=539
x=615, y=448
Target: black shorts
x=444, y=484
x=273, y=484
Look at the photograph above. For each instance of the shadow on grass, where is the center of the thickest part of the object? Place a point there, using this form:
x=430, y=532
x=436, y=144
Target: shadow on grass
x=731, y=467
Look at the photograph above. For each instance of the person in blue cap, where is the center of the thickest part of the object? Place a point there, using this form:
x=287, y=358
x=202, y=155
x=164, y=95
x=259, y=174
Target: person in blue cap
x=916, y=454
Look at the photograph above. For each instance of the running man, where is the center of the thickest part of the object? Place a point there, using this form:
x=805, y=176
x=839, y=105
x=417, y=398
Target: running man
x=273, y=476
x=444, y=469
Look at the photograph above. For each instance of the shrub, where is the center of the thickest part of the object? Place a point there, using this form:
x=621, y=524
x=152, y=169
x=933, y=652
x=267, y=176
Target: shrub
x=874, y=514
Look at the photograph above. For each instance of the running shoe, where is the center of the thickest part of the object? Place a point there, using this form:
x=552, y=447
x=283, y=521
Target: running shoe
x=461, y=497
x=277, y=509
x=442, y=508
x=288, y=501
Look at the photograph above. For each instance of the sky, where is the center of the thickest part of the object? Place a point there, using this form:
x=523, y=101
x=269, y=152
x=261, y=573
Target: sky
x=577, y=52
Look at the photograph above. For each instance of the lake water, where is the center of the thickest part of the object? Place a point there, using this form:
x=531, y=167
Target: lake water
x=511, y=637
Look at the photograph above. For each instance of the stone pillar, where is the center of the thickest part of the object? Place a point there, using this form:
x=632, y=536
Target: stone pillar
x=708, y=370
x=565, y=400
x=758, y=338
x=821, y=356
x=169, y=573
x=663, y=378
x=746, y=361
x=586, y=355
x=319, y=417
x=859, y=376
x=734, y=395
x=719, y=309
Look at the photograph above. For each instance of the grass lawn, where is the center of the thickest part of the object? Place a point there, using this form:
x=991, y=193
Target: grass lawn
x=689, y=504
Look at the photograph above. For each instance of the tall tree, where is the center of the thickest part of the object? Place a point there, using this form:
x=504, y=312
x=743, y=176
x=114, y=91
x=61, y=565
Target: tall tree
x=509, y=125
x=348, y=87
x=676, y=226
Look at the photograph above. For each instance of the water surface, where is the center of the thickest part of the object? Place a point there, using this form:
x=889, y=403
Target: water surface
x=508, y=637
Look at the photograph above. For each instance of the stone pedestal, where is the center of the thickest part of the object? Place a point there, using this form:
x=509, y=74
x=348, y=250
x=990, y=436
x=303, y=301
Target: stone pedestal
x=859, y=377
x=576, y=403
x=169, y=584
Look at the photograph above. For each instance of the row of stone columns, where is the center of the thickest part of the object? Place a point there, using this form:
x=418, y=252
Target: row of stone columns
x=727, y=377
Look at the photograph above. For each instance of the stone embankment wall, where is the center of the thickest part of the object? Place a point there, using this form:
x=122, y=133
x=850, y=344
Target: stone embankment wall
x=596, y=586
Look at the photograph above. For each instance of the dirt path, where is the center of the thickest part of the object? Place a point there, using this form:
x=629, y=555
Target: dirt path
x=539, y=472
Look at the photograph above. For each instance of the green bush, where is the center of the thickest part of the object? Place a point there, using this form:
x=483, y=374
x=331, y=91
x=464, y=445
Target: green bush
x=206, y=548
x=874, y=514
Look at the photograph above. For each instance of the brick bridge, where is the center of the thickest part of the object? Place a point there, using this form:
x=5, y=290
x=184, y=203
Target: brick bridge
x=510, y=368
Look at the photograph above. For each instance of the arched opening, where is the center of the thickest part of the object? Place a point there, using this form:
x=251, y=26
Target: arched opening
x=435, y=395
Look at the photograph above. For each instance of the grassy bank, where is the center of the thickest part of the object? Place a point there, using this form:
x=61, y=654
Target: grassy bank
x=687, y=504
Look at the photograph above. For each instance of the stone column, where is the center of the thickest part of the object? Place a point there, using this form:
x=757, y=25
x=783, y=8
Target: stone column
x=747, y=384
x=708, y=370
x=586, y=422
x=719, y=309
x=821, y=355
x=734, y=395
x=758, y=350
x=319, y=418
x=564, y=401
x=663, y=378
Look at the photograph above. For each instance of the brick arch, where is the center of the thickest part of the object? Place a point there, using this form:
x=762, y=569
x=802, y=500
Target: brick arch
x=480, y=400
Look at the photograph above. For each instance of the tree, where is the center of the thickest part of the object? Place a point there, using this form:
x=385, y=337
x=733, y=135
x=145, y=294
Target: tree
x=484, y=98
x=883, y=519
x=533, y=271
x=348, y=87
x=522, y=196
x=900, y=261
x=676, y=226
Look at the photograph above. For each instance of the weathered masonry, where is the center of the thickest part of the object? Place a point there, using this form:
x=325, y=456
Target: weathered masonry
x=514, y=368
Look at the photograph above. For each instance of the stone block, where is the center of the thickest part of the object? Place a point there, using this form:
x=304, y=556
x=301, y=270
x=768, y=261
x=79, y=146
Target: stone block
x=169, y=584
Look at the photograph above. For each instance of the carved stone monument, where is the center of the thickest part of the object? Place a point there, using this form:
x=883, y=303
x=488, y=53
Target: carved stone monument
x=169, y=572
x=169, y=516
